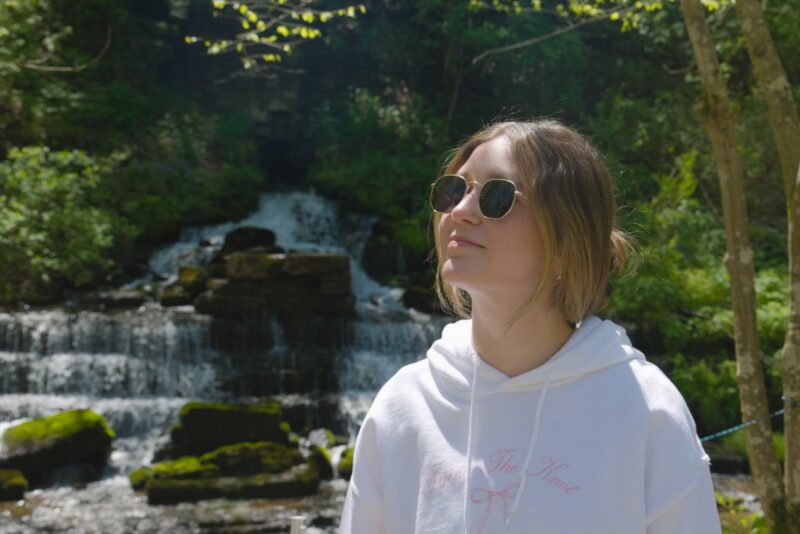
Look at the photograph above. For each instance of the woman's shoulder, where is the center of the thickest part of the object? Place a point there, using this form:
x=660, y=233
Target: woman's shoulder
x=404, y=381
x=671, y=427
x=657, y=389
x=403, y=385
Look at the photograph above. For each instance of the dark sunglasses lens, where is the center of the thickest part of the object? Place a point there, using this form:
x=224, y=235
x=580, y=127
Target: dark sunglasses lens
x=447, y=192
x=497, y=197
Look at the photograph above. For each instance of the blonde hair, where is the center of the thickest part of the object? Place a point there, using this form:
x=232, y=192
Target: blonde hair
x=570, y=192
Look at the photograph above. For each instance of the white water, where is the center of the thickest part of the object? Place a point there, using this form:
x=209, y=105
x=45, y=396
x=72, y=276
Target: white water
x=138, y=368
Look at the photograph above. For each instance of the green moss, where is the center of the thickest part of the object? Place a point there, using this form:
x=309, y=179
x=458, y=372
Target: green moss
x=140, y=477
x=185, y=467
x=346, y=463
x=40, y=432
x=270, y=407
x=248, y=458
x=229, y=460
x=13, y=485
x=300, y=480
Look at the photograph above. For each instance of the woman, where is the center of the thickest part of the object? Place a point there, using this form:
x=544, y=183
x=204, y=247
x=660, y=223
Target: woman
x=532, y=416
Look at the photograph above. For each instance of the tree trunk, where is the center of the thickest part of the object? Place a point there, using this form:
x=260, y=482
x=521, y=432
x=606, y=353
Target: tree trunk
x=785, y=124
x=774, y=87
x=718, y=116
x=791, y=367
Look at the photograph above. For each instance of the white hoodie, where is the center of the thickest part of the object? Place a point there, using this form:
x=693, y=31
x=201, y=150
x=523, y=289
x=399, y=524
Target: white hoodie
x=596, y=440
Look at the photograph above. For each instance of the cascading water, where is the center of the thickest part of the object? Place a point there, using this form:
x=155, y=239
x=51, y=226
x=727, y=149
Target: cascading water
x=137, y=368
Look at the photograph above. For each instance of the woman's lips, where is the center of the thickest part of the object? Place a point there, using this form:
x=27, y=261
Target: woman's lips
x=458, y=242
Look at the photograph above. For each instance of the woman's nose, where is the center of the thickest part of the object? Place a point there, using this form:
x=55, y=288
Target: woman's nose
x=467, y=209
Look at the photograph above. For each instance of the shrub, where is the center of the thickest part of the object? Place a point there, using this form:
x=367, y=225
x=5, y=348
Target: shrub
x=378, y=154
x=52, y=234
x=710, y=391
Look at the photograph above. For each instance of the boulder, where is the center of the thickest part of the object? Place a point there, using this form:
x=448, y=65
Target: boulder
x=320, y=458
x=191, y=282
x=254, y=266
x=13, y=485
x=249, y=458
x=79, y=438
x=345, y=466
x=286, y=285
x=207, y=426
x=217, y=267
x=248, y=237
x=185, y=467
x=335, y=284
x=241, y=459
x=315, y=263
x=193, y=279
x=299, y=481
x=217, y=305
x=176, y=295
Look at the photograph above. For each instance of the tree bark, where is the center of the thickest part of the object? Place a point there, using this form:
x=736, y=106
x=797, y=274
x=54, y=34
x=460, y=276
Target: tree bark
x=785, y=124
x=774, y=87
x=718, y=116
x=791, y=367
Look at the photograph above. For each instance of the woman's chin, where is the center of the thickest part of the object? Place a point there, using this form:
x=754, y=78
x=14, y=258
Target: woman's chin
x=457, y=276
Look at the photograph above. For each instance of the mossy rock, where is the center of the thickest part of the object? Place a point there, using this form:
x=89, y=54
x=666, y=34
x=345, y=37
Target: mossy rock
x=249, y=458
x=176, y=295
x=299, y=481
x=75, y=437
x=320, y=458
x=315, y=263
x=246, y=237
x=13, y=485
x=345, y=466
x=186, y=467
x=193, y=279
x=230, y=460
x=254, y=266
x=140, y=477
x=207, y=426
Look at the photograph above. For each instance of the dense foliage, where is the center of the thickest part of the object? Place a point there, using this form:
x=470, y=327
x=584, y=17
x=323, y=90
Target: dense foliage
x=108, y=151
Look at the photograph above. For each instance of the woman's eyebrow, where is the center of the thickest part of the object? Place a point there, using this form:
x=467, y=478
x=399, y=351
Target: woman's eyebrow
x=495, y=174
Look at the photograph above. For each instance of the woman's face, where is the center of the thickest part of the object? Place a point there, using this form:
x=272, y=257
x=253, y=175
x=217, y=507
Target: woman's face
x=483, y=256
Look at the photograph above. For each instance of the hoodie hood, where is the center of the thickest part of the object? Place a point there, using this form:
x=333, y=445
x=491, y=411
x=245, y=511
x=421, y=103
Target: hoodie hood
x=596, y=344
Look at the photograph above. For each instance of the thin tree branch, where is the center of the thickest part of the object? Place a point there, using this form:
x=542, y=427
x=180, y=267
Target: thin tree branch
x=540, y=38
x=44, y=68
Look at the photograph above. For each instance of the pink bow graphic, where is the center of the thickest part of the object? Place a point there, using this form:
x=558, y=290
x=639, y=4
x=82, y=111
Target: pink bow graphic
x=479, y=495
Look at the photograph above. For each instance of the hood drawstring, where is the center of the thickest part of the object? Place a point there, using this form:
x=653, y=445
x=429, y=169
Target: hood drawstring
x=473, y=357
x=523, y=475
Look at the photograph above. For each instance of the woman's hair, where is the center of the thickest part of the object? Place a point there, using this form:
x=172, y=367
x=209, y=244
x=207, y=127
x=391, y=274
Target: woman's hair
x=569, y=189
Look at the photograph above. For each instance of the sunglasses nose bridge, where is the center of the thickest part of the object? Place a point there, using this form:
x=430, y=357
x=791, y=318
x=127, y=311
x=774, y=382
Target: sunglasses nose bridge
x=467, y=202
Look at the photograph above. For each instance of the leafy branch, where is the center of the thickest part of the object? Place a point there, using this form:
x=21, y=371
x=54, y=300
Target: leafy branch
x=270, y=29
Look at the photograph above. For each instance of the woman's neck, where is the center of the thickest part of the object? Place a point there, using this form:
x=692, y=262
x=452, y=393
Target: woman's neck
x=532, y=340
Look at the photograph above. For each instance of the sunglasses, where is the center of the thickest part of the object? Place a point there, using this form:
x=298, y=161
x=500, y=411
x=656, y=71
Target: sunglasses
x=496, y=197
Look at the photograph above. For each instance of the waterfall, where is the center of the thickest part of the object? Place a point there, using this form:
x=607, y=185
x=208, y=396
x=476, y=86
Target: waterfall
x=138, y=367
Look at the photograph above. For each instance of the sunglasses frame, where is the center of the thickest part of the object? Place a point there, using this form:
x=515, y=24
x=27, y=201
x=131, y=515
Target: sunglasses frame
x=475, y=184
